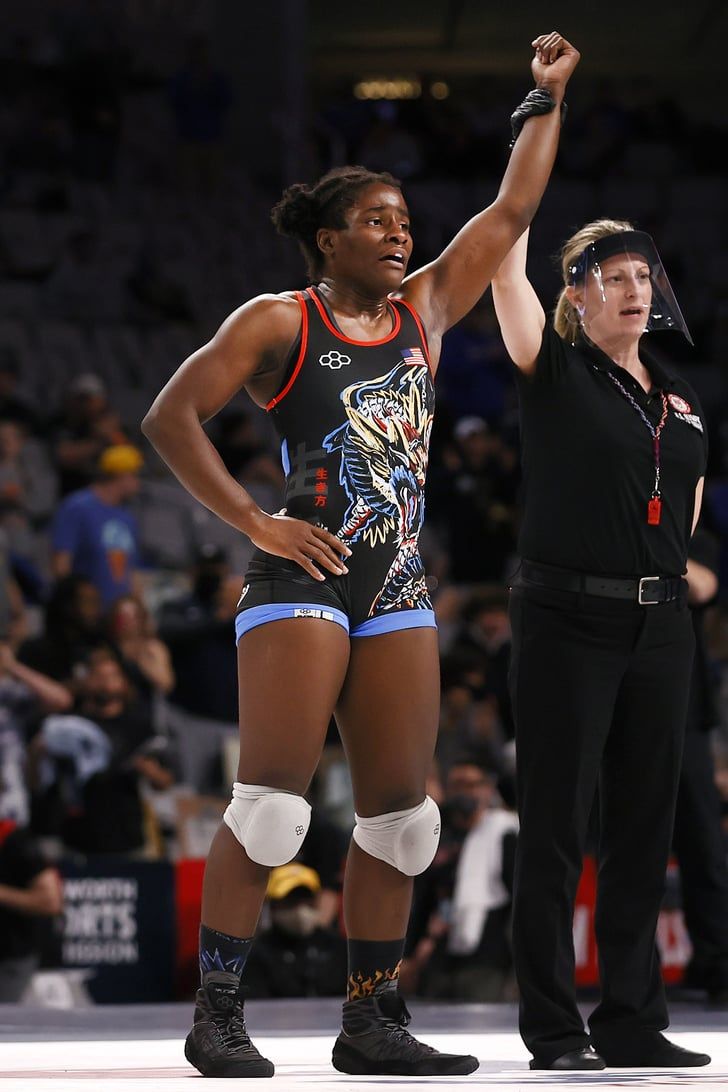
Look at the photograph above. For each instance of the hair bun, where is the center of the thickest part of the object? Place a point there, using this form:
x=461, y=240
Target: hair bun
x=296, y=211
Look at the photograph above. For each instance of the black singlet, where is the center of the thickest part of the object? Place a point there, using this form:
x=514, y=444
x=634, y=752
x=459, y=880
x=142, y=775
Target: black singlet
x=354, y=420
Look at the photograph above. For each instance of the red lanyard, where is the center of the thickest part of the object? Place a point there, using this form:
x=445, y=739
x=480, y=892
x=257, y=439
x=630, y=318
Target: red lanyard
x=654, y=504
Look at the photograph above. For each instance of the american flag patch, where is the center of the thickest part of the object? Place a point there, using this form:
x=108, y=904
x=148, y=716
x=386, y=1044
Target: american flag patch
x=414, y=356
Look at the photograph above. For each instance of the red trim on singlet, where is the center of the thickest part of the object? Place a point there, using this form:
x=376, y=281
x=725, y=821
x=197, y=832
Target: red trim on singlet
x=421, y=328
x=350, y=340
x=301, y=354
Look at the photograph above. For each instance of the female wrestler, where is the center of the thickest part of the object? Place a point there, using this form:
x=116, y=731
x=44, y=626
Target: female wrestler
x=346, y=369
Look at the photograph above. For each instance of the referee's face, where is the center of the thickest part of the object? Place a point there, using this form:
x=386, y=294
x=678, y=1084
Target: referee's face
x=617, y=299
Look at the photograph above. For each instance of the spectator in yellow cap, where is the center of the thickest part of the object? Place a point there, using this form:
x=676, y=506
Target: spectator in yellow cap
x=94, y=535
x=288, y=878
x=295, y=956
x=120, y=459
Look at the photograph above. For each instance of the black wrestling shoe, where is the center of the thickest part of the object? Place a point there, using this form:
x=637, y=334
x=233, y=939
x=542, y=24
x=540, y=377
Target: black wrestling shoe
x=219, y=1044
x=374, y=1039
x=573, y=1061
x=655, y=1052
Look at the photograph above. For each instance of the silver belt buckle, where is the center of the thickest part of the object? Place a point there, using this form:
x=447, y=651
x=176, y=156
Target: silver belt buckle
x=646, y=602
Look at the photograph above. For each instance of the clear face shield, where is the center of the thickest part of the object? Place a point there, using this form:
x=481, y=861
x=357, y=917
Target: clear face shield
x=621, y=287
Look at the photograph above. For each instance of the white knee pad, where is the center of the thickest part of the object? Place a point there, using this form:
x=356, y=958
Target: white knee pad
x=269, y=824
x=406, y=840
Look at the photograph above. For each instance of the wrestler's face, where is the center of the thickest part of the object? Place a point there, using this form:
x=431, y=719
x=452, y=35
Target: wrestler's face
x=374, y=248
x=617, y=298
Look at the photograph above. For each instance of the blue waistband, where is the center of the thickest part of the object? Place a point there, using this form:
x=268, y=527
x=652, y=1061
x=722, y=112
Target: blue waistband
x=385, y=623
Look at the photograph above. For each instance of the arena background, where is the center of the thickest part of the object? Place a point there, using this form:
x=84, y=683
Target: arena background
x=143, y=143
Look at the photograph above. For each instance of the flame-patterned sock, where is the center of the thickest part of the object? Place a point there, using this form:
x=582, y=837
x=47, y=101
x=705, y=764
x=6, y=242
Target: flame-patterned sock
x=373, y=966
x=220, y=952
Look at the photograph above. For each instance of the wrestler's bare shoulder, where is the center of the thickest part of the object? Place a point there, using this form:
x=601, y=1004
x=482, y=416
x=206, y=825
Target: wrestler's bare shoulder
x=271, y=319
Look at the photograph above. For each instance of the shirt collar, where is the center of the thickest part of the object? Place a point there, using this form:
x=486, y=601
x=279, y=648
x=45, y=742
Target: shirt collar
x=662, y=377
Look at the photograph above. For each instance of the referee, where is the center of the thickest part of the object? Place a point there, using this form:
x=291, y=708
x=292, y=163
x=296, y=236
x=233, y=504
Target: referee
x=614, y=452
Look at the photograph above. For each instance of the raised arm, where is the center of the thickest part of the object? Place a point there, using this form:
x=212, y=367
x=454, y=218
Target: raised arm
x=518, y=309
x=447, y=288
x=247, y=351
x=52, y=695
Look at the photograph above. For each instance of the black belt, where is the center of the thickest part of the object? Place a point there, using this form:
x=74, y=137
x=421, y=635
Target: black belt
x=645, y=590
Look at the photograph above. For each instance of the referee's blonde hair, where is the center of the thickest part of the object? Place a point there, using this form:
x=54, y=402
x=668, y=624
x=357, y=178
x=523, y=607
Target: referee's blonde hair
x=566, y=318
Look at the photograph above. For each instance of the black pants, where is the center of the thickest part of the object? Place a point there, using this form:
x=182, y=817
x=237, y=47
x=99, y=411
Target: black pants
x=599, y=690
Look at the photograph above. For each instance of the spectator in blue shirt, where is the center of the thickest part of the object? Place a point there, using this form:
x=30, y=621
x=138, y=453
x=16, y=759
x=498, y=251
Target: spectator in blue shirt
x=94, y=535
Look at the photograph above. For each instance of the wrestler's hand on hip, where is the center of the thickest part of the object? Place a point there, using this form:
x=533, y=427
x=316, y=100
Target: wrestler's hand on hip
x=302, y=542
x=554, y=62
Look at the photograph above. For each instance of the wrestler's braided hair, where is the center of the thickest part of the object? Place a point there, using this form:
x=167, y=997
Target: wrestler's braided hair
x=303, y=209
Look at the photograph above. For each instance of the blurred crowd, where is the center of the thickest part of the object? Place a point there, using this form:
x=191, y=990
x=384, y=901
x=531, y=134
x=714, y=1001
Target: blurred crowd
x=129, y=226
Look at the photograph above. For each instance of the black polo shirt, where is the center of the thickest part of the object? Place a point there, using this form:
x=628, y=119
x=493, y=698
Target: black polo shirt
x=588, y=464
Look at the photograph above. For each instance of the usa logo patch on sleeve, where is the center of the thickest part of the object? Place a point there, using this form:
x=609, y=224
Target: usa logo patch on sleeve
x=679, y=403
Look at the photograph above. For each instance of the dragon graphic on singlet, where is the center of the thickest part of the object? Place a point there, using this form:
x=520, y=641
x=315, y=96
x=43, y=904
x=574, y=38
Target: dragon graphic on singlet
x=384, y=444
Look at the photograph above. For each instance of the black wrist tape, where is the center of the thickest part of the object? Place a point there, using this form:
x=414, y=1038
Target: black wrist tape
x=538, y=101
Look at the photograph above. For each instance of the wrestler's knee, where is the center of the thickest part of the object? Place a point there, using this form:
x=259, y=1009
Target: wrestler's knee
x=270, y=824
x=407, y=839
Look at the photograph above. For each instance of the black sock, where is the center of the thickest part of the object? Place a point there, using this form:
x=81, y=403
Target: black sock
x=220, y=952
x=373, y=965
